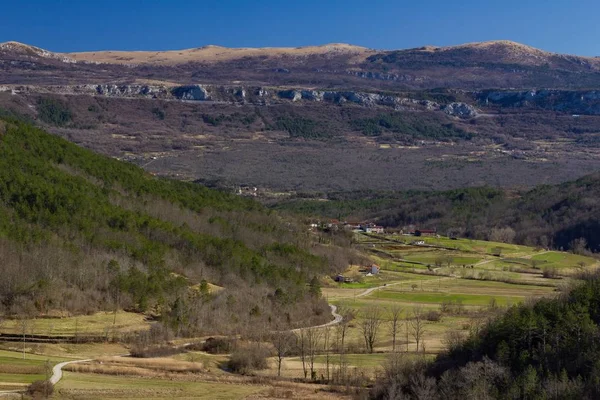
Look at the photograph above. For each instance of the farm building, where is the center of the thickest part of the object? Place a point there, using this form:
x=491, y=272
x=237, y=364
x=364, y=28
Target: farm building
x=425, y=232
x=372, y=228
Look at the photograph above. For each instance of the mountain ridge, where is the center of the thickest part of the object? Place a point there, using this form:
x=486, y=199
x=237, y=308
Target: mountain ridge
x=93, y=55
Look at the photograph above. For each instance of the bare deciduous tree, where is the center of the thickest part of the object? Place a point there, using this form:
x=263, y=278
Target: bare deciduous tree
x=283, y=342
x=313, y=336
x=302, y=346
x=370, y=326
x=326, y=338
x=578, y=246
x=395, y=312
x=341, y=331
x=452, y=339
x=504, y=235
x=417, y=324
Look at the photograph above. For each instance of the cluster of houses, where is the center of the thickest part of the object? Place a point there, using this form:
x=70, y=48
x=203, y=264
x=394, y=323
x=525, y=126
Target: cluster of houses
x=371, y=227
x=248, y=191
x=367, y=227
x=369, y=270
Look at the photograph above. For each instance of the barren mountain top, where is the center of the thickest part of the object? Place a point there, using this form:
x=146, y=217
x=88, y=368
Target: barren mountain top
x=213, y=53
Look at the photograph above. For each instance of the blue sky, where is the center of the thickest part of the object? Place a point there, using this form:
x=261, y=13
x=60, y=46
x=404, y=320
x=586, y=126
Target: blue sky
x=566, y=26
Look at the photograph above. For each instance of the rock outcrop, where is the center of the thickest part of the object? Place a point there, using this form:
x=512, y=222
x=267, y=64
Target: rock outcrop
x=130, y=90
x=191, y=92
x=569, y=101
x=575, y=102
x=461, y=110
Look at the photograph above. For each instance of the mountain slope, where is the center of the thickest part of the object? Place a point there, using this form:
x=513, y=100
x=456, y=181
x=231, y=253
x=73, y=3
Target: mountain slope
x=81, y=232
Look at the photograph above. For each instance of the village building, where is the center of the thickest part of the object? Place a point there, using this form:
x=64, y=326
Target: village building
x=424, y=232
x=372, y=228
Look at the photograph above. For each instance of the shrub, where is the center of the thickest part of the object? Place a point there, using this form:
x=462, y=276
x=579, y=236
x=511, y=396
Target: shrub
x=155, y=351
x=158, y=113
x=550, y=273
x=54, y=112
x=433, y=316
x=244, y=360
x=302, y=127
x=40, y=389
x=218, y=345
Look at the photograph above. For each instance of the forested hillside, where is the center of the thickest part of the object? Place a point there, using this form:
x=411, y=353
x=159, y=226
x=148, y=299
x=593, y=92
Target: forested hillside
x=80, y=232
x=557, y=216
x=545, y=350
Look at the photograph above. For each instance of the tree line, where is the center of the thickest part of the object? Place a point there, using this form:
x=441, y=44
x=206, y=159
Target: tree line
x=564, y=216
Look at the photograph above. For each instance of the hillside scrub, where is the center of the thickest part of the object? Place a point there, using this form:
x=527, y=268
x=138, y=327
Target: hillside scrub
x=406, y=127
x=80, y=232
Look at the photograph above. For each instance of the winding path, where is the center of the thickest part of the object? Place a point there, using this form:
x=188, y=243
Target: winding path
x=57, y=374
x=57, y=370
x=337, y=318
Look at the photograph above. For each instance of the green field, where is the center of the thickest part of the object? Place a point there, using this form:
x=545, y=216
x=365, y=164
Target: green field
x=438, y=298
x=14, y=369
x=562, y=260
x=430, y=257
x=477, y=282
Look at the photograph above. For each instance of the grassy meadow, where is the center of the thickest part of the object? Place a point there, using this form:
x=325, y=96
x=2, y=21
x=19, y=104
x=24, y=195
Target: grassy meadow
x=17, y=370
x=454, y=284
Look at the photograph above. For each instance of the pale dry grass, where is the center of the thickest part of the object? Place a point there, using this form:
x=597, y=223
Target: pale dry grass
x=110, y=370
x=157, y=364
x=22, y=369
x=212, y=54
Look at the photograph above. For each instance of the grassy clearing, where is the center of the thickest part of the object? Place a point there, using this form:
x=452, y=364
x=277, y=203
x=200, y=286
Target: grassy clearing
x=440, y=297
x=563, y=260
x=16, y=357
x=96, y=324
x=488, y=287
x=63, y=351
x=21, y=378
x=430, y=257
x=95, y=386
x=14, y=369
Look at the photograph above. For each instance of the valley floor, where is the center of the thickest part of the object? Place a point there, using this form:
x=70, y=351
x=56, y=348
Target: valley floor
x=452, y=286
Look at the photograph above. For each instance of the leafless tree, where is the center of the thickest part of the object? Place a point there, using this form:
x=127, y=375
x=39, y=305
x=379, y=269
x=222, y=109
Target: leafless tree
x=326, y=349
x=302, y=346
x=283, y=342
x=341, y=332
x=422, y=387
x=370, y=326
x=504, y=235
x=395, y=312
x=578, y=246
x=417, y=324
x=452, y=339
x=313, y=336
